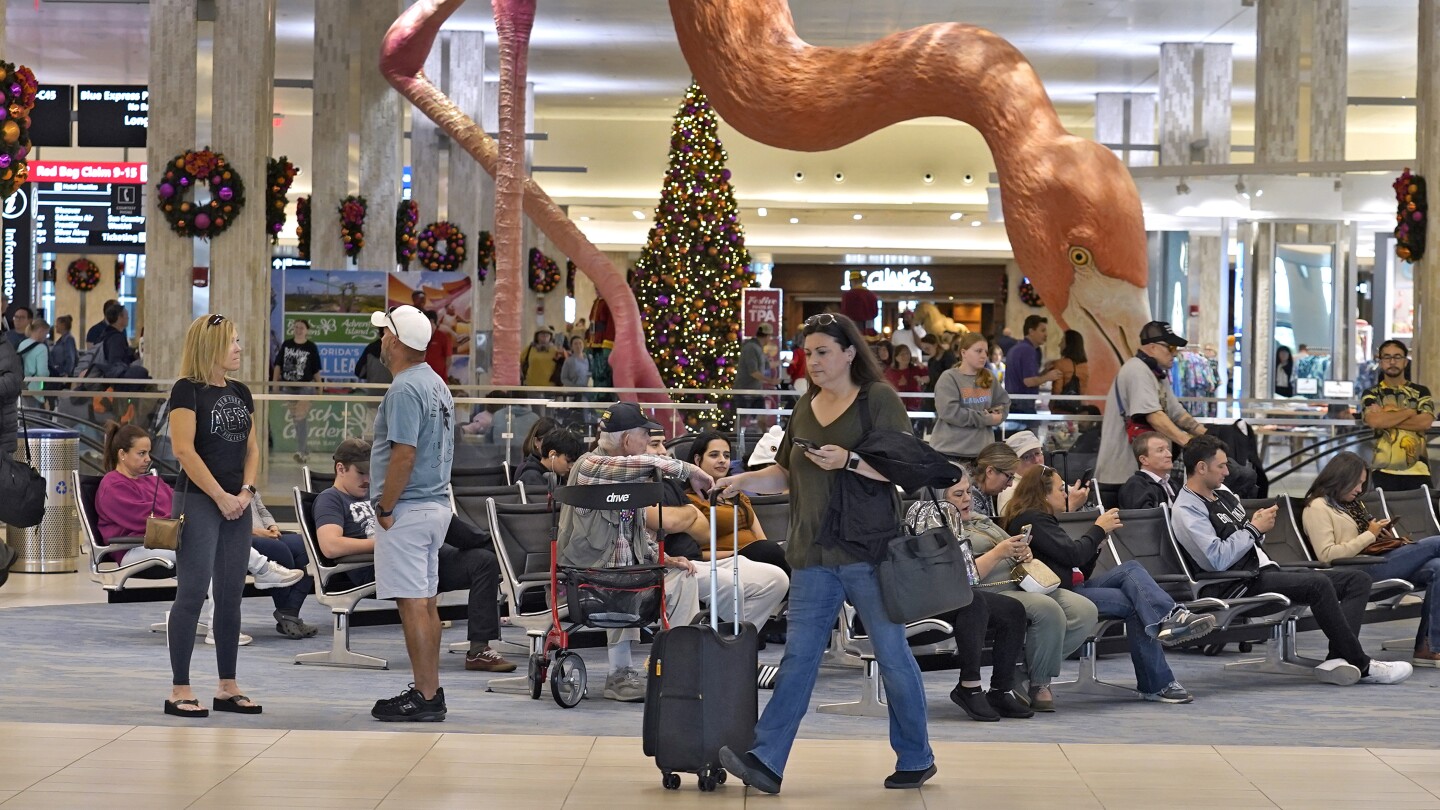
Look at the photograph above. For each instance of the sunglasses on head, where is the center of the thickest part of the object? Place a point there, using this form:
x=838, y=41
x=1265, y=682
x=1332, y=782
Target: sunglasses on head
x=823, y=319
x=214, y=320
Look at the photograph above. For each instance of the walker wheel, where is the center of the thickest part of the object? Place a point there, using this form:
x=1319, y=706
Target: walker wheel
x=567, y=680
x=536, y=674
x=719, y=775
x=670, y=780
x=707, y=783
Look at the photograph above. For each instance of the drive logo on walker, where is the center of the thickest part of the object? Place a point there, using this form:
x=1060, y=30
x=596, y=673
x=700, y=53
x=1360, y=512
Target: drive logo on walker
x=617, y=497
x=229, y=419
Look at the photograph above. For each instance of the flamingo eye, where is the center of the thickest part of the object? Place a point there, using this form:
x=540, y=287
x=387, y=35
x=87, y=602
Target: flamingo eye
x=1080, y=257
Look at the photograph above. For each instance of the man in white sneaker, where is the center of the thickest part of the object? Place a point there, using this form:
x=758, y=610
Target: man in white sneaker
x=1210, y=524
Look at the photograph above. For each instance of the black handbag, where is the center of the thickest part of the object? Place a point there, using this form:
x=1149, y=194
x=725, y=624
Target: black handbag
x=924, y=575
x=24, y=503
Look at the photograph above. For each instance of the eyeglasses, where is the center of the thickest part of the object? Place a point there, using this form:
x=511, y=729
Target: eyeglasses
x=823, y=319
x=1393, y=358
x=215, y=320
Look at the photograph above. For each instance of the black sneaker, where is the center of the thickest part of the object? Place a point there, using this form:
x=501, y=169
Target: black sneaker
x=749, y=770
x=1173, y=693
x=910, y=780
x=1006, y=704
x=1182, y=626
x=972, y=701
x=411, y=706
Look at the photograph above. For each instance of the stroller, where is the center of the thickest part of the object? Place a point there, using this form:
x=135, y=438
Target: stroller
x=602, y=598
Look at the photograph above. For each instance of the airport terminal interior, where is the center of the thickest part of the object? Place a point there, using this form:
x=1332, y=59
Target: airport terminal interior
x=1034, y=214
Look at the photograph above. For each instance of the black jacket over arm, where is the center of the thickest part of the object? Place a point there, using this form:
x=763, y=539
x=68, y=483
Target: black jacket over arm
x=1052, y=545
x=1141, y=491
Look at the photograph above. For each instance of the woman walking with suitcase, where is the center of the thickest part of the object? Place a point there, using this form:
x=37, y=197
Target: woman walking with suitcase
x=813, y=455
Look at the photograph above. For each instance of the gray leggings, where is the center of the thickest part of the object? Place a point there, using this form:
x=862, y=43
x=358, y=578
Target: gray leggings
x=211, y=546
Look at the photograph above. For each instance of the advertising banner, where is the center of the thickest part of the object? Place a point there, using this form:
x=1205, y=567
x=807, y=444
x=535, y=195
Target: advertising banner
x=449, y=296
x=760, y=306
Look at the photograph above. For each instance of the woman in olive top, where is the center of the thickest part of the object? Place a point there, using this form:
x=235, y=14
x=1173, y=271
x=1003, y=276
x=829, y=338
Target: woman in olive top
x=711, y=452
x=844, y=377
x=1338, y=525
x=969, y=403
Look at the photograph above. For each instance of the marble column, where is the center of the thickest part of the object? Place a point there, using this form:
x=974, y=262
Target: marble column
x=1329, y=63
x=1196, y=81
x=242, y=127
x=165, y=307
x=330, y=132
x=1128, y=119
x=381, y=135
x=425, y=145
x=469, y=192
x=1426, y=349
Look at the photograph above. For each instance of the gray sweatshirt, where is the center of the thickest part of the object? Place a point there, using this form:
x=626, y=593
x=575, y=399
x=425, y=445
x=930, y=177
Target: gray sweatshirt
x=960, y=405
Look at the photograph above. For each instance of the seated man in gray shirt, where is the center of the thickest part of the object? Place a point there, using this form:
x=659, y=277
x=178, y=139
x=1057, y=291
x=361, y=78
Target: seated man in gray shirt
x=1210, y=525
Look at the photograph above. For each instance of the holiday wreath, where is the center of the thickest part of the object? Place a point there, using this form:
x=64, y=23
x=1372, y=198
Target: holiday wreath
x=83, y=275
x=544, y=273
x=192, y=169
x=1028, y=296
x=432, y=256
x=1410, y=214
x=302, y=226
x=484, y=255
x=352, y=224
x=17, y=99
x=407, y=213
x=280, y=173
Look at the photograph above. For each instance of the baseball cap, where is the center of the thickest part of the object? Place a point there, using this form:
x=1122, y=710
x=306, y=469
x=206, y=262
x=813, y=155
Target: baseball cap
x=1023, y=442
x=354, y=452
x=409, y=324
x=625, y=416
x=1160, y=332
x=765, y=330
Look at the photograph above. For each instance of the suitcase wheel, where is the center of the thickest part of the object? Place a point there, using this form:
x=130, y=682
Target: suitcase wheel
x=670, y=780
x=567, y=680
x=708, y=781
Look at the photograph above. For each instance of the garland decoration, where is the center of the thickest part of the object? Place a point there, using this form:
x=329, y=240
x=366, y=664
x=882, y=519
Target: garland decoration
x=432, y=257
x=544, y=273
x=352, y=224
x=484, y=255
x=407, y=213
x=279, y=173
x=1410, y=214
x=302, y=226
x=188, y=171
x=17, y=99
x=570, y=278
x=1028, y=296
x=83, y=274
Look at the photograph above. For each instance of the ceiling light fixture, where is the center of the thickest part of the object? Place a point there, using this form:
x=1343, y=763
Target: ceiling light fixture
x=1182, y=187
x=857, y=217
x=1240, y=189
x=974, y=223
x=637, y=214
x=794, y=220
x=927, y=178
x=762, y=211
x=956, y=217
x=584, y=219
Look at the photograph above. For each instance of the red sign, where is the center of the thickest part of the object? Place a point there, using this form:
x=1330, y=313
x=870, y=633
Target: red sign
x=761, y=306
x=80, y=171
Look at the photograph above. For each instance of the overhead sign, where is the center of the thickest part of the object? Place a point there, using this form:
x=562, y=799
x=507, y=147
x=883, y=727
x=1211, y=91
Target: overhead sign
x=16, y=270
x=80, y=218
x=114, y=115
x=50, y=120
x=125, y=199
x=886, y=279
x=74, y=171
x=761, y=306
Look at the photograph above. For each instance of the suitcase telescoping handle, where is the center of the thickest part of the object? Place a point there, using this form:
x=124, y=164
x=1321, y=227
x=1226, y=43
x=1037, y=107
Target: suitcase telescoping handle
x=734, y=567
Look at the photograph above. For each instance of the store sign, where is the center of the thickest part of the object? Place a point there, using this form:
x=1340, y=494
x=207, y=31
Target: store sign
x=15, y=236
x=112, y=115
x=81, y=218
x=50, y=120
x=888, y=279
x=761, y=306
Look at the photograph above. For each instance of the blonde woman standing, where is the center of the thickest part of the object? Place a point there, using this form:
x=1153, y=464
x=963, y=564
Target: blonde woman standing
x=969, y=403
x=211, y=419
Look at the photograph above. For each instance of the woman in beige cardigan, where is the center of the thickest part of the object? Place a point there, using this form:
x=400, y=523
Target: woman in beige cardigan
x=1339, y=526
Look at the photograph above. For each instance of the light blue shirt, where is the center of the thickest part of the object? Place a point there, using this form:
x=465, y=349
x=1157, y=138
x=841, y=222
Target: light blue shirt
x=417, y=411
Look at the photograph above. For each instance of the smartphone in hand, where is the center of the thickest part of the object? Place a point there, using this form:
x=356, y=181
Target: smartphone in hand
x=805, y=444
x=1025, y=532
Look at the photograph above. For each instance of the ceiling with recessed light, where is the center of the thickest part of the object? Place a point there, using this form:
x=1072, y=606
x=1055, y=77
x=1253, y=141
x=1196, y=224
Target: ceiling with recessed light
x=608, y=74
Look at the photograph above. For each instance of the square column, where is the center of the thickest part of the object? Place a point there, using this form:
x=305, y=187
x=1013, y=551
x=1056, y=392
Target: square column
x=1425, y=352
x=330, y=132
x=381, y=134
x=426, y=144
x=1127, y=119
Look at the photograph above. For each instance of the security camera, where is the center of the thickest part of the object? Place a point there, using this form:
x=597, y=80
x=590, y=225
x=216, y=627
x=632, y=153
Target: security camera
x=928, y=177
x=799, y=177
x=968, y=178
x=839, y=177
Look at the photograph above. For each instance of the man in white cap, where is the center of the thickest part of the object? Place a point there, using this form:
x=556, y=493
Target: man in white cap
x=410, y=463
x=1032, y=454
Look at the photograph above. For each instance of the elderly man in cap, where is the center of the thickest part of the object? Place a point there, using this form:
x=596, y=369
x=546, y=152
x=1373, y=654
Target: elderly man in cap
x=1032, y=454
x=1140, y=400
x=410, y=466
x=590, y=538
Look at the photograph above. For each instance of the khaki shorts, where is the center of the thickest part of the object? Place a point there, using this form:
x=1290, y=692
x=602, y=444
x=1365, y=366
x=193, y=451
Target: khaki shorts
x=407, y=555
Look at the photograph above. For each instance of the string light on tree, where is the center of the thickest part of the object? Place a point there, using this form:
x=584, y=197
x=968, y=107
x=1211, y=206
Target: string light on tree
x=694, y=264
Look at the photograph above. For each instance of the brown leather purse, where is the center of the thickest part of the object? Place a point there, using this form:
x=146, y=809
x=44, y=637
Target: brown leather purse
x=163, y=533
x=1388, y=540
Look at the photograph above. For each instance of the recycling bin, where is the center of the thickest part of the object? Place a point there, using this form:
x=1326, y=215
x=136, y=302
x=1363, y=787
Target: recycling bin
x=53, y=547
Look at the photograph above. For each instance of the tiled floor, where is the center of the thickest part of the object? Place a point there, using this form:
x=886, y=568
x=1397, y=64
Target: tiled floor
x=217, y=766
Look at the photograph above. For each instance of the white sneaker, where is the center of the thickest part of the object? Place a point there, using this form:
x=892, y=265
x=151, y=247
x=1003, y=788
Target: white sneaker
x=1388, y=672
x=244, y=639
x=1337, y=671
x=275, y=575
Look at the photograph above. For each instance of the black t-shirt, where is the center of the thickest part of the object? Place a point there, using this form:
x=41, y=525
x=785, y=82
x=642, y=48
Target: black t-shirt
x=678, y=545
x=298, y=362
x=222, y=427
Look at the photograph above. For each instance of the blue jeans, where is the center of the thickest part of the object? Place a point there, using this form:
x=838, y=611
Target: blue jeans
x=1419, y=563
x=289, y=550
x=1129, y=592
x=816, y=594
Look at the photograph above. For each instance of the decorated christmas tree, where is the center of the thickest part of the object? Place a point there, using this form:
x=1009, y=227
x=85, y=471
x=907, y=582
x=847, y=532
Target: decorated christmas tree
x=694, y=264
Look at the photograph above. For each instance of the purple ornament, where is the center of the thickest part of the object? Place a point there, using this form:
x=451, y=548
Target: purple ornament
x=184, y=181
x=3, y=114
x=202, y=221
x=16, y=90
x=24, y=150
x=227, y=193
x=662, y=339
x=1419, y=216
x=725, y=174
x=663, y=300
x=166, y=191
x=4, y=161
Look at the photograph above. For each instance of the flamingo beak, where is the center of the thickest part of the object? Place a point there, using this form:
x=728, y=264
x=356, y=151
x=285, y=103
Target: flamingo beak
x=1109, y=312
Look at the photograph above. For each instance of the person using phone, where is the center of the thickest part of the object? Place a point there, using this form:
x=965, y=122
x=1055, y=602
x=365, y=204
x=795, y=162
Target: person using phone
x=1150, y=485
x=1152, y=618
x=1340, y=526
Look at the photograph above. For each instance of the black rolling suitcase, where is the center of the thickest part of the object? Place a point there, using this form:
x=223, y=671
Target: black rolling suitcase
x=701, y=693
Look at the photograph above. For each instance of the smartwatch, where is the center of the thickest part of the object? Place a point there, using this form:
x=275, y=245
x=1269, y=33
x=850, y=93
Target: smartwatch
x=250, y=488
x=854, y=462
x=381, y=513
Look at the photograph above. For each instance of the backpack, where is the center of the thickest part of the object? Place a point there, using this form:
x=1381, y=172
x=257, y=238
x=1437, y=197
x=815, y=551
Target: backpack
x=91, y=364
x=26, y=351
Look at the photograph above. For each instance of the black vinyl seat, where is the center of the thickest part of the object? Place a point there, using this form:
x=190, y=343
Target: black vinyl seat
x=111, y=575
x=341, y=598
x=773, y=512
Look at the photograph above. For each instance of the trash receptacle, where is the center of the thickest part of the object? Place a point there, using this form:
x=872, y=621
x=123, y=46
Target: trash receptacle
x=53, y=547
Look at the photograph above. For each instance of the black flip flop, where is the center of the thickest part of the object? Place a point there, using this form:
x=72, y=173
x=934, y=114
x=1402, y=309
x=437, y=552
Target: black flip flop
x=232, y=704
x=172, y=707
